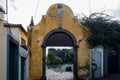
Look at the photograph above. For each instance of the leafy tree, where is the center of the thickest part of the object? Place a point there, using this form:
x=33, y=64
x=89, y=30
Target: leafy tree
x=104, y=30
x=58, y=60
x=53, y=59
x=70, y=56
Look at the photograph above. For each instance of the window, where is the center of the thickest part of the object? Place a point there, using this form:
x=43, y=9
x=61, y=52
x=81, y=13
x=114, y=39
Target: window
x=23, y=42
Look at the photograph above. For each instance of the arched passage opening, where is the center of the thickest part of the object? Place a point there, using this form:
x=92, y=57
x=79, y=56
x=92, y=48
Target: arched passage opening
x=62, y=38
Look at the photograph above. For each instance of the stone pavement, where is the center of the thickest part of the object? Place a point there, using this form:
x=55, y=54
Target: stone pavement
x=58, y=75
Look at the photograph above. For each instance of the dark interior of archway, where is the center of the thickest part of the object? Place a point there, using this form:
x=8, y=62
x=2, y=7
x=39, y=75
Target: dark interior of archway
x=59, y=39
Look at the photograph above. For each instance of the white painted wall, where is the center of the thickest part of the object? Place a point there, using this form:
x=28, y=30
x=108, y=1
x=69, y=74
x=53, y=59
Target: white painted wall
x=3, y=49
x=15, y=32
x=96, y=56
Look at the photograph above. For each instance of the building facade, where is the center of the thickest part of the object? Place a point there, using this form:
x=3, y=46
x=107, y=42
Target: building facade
x=14, y=59
x=18, y=53
x=59, y=27
x=104, y=62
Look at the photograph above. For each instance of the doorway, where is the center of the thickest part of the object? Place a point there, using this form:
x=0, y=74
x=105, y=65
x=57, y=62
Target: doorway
x=113, y=63
x=23, y=67
x=12, y=59
x=60, y=38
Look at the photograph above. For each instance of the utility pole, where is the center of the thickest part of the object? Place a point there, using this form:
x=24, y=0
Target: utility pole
x=6, y=11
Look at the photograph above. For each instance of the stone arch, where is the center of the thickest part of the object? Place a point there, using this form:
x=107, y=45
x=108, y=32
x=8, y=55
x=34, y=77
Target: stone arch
x=60, y=30
x=73, y=44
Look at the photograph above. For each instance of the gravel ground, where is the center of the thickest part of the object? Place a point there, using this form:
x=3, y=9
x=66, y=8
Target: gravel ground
x=58, y=75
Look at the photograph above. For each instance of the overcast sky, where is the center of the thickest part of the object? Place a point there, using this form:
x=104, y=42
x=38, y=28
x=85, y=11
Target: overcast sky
x=20, y=11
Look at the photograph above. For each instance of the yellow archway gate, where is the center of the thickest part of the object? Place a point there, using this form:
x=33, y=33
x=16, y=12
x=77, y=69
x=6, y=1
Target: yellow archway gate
x=59, y=19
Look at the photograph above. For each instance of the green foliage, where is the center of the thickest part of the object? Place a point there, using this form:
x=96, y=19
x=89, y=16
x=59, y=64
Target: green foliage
x=104, y=30
x=58, y=60
x=53, y=59
x=69, y=56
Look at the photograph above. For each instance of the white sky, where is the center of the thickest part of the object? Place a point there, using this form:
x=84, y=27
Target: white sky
x=20, y=11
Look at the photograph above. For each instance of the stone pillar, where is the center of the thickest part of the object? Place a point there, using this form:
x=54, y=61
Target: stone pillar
x=44, y=63
x=75, y=74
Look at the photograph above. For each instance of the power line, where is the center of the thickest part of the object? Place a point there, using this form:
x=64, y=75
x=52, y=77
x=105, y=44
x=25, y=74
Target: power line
x=36, y=9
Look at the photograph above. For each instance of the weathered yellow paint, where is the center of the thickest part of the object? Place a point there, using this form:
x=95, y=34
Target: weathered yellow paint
x=22, y=35
x=49, y=22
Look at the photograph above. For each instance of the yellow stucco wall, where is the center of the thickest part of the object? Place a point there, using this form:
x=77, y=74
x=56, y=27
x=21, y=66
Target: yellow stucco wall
x=22, y=35
x=49, y=22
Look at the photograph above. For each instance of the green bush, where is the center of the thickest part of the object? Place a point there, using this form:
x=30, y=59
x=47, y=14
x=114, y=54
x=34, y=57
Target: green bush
x=58, y=60
x=53, y=59
x=104, y=30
